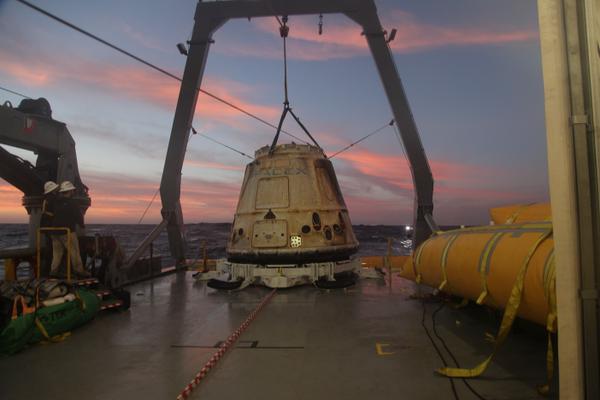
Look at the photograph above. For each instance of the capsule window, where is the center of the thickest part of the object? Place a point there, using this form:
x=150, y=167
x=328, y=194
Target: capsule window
x=241, y=231
x=305, y=229
x=327, y=232
x=337, y=229
x=325, y=185
x=342, y=223
x=316, y=220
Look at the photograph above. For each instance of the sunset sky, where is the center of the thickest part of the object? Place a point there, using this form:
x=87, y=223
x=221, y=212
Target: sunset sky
x=471, y=70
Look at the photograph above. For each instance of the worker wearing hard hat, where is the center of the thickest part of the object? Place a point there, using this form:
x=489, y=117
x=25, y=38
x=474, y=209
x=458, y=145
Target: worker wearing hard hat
x=50, y=190
x=67, y=214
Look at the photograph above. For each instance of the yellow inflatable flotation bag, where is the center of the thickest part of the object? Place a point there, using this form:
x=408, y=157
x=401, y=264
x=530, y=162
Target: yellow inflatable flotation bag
x=508, y=265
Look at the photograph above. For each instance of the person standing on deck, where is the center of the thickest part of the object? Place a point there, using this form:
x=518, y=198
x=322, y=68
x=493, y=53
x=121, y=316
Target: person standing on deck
x=67, y=215
x=46, y=221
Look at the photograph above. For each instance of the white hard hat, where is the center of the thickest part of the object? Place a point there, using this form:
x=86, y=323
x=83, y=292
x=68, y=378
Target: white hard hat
x=66, y=186
x=50, y=187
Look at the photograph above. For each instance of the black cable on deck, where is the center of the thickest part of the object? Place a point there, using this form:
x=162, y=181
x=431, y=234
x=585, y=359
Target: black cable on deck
x=437, y=350
x=435, y=332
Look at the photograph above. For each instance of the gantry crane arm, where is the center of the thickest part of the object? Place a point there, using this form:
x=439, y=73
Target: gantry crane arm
x=48, y=138
x=212, y=15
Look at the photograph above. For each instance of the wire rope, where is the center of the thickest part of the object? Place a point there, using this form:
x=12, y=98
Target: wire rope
x=381, y=128
x=195, y=132
x=15, y=93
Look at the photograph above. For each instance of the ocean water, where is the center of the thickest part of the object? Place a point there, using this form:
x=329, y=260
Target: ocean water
x=373, y=239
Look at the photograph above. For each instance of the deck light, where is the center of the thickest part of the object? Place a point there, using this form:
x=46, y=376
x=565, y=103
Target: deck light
x=182, y=49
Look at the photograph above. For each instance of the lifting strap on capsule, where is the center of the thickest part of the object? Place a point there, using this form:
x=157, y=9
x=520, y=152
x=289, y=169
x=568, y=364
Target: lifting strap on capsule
x=484, y=261
x=510, y=313
x=444, y=260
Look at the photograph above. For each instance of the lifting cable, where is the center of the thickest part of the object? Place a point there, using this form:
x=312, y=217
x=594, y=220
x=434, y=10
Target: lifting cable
x=15, y=93
x=149, y=205
x=156, y=68
x=391, y=123
x=195, y=132
x=284, y=30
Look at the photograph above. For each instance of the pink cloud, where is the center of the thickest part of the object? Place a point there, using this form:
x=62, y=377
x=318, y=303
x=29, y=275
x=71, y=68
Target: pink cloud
x=11, y=210
x=142, y=38
x=394, y=169
x=344, y=39
x=31, y=75
x=378, y=188
x=378, y=165
x=115, y=199
x=138, y=83
x=123, y=199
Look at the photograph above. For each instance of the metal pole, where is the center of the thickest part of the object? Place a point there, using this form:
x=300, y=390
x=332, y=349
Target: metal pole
x=151, y=258
x=570, y=71
x=170, y=185
x=68, y=255
x=38, y=254
x=422, y=177
x=204, y=257
x=388, y=261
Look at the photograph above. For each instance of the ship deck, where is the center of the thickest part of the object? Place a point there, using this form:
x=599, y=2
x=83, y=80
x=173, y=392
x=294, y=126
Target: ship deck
x=364, y=342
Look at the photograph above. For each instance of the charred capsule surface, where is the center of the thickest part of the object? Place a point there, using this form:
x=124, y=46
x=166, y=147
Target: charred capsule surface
x=288, y=203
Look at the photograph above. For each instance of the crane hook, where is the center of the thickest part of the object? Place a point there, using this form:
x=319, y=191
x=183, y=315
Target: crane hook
x=284, y=29
x=320, y=24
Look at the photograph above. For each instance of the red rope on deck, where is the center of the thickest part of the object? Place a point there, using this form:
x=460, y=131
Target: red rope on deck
x=185, y=393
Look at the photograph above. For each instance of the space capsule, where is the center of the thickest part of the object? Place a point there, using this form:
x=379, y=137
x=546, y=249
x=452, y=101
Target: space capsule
x=291, y=210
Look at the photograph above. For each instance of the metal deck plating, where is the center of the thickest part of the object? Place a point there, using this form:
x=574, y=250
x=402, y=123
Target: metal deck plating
x=361, y=343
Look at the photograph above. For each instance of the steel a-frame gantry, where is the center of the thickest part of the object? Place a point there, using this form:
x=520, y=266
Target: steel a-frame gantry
x=209, y=17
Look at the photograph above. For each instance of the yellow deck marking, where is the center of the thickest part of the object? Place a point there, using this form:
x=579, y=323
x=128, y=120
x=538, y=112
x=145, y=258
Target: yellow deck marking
x=379, y=348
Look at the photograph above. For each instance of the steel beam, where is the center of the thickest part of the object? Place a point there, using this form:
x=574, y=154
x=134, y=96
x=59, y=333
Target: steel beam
x=569, y=37
x=420, y=170
x=582, y=112
x=170, y=185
